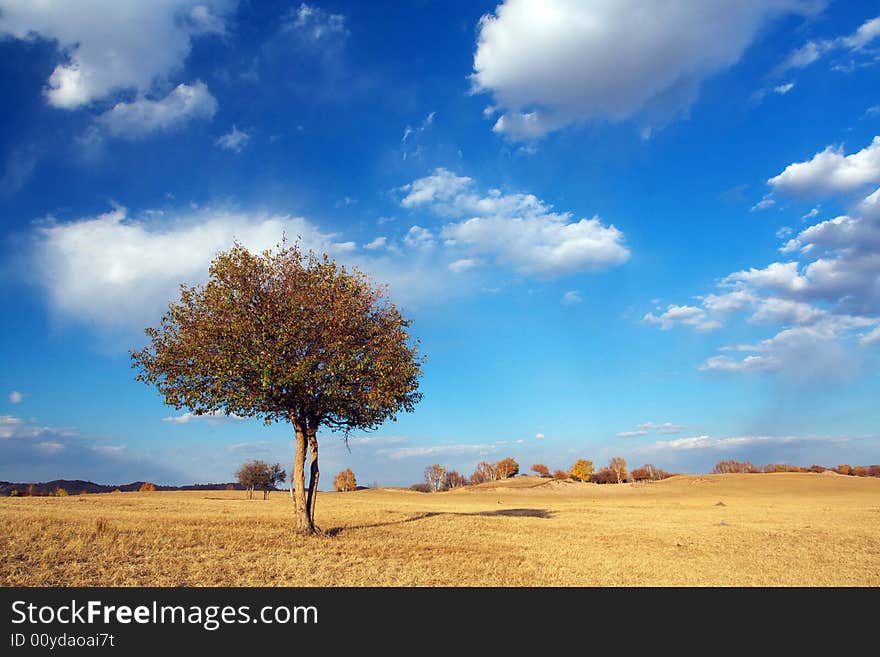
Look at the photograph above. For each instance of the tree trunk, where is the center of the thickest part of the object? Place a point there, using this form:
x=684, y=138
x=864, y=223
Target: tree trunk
x=298, y=481
x=313, y=477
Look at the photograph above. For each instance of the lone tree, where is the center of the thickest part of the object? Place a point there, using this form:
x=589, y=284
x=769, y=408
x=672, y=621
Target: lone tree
x=345, y=481
x=255, y=474
x=287, y=337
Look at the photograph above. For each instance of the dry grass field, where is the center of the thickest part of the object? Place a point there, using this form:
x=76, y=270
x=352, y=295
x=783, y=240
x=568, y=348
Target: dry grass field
x=728, y=530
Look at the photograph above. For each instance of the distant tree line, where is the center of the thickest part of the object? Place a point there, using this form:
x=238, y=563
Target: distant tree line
x=745, y=467
x=438, y=478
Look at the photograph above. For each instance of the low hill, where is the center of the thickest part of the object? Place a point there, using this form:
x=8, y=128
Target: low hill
x=79, y=486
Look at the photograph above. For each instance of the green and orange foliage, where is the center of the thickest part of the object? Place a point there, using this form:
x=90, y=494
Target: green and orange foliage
x=605, y=476
x=844, y=469
x=484, y=472
x=454, y=480
x=560, y=475
x=147, y=487
x=14, y=493
x=582, y=470
x=435, y=475
x=506, y=468
x=648, y=472
x=734, y=467
x=60, y=492
x=617, y=465
x=345, y=481
x=541, y=470
x=286, y=336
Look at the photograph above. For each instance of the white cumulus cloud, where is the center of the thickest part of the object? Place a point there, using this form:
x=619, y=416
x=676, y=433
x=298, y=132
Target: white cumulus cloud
x=553, y=63
x=831, y=172
x=109, y=45
x=515, y=229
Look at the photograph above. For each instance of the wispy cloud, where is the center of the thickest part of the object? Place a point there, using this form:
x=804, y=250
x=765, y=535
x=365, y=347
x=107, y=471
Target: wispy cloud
x=438, y=450
x=215, y=417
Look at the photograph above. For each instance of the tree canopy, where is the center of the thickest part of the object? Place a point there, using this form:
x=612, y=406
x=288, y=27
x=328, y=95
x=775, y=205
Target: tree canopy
x=285, y=336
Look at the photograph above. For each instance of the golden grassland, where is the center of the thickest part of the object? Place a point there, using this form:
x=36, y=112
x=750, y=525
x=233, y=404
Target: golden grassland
x=728, y=530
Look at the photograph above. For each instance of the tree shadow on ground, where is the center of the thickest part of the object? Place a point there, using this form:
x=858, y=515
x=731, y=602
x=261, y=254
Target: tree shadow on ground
x=509, y=513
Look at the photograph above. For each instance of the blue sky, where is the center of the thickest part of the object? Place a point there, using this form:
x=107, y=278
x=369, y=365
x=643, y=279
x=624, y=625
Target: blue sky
x=639, y=229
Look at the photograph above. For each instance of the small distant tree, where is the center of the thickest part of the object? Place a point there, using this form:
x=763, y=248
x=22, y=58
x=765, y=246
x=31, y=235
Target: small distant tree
x=14, y=493
x=582, y=470
x=275, y=475
x=618, y=467
x=253, y=474
x=60, y=492
x=506, y=468
x=484, y=472
x=844, y=469
x=818, y=469
x=454, y=480
x=560, y=475
x=541, y=470
x=874, y=470
x=345, y=481
x=435, y=475
x=147, y=487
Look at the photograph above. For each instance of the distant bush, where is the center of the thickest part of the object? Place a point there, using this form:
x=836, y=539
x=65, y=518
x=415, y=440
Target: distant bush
x=60, y=492
x=147, y=487
x=560, y=475
x=421, y=488
x=14, y=493
x=506, y=468
x=648, y=473
x=734, y=467
x=605, y=476
x=345, y=481
x=116, y=490
x=541, y=470
x=818, y=469
x=782, y=467
x=844, y=469
x=582, y=470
